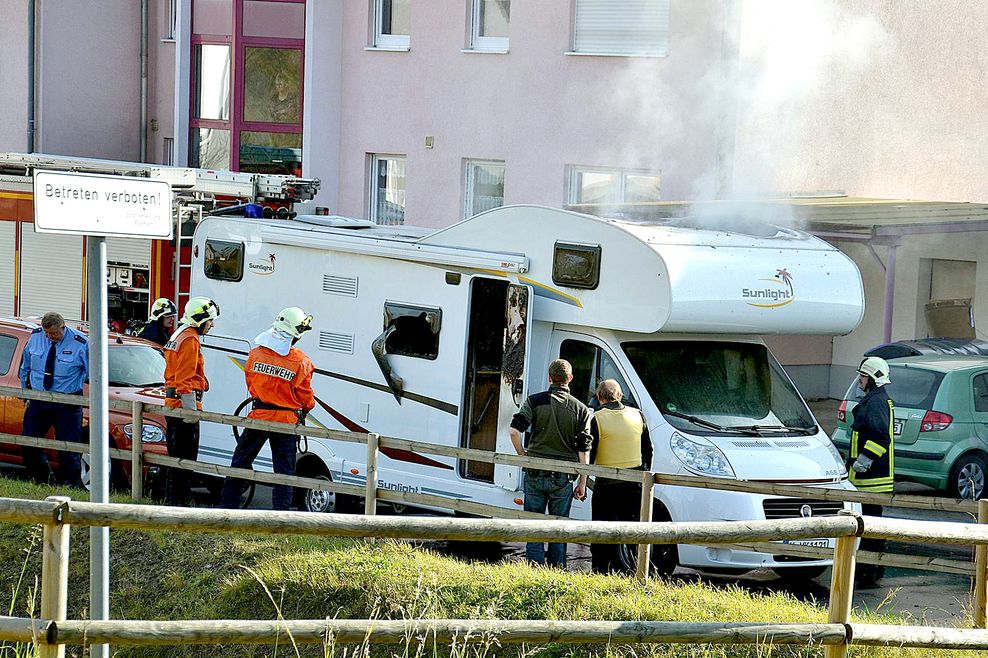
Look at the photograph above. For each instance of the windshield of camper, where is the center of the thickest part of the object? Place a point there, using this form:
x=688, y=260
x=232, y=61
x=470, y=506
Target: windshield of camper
x=707, y=387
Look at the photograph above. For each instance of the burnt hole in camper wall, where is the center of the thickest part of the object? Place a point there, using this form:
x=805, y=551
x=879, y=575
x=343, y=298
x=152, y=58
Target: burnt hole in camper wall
x=515, y=326
x=416, y=330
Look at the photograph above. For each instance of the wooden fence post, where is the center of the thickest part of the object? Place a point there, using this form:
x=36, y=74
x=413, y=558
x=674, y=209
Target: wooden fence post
x=645, y=550
x=370, y=497
x=137, y=453
x=841, y=591
x=55, y=573
x=981, y=572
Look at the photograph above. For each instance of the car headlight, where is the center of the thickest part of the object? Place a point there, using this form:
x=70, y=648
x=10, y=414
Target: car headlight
x=837, y=458
x=150, y=434
x=700, y=458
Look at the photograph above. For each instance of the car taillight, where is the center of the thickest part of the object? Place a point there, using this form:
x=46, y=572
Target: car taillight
x=842, y=412
x=934, y=421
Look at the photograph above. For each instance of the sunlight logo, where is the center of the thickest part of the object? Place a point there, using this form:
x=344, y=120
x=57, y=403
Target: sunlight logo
x=779, y=293
x=262, y=265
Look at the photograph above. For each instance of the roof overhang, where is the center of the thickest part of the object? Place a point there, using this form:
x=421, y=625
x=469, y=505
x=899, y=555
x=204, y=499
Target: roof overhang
x=833, y=217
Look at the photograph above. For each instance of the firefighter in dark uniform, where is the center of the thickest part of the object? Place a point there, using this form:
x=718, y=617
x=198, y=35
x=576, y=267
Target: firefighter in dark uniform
x=279, y=380
x=872, y=456
x=56, y=359
x=161, y=321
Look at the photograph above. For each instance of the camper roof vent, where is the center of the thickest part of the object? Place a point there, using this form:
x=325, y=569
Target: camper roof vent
x=335, y=342
x=336, y=284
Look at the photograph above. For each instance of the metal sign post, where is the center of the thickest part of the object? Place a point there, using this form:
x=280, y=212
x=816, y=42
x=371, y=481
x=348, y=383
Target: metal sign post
x=97, y=206
x=99, y=430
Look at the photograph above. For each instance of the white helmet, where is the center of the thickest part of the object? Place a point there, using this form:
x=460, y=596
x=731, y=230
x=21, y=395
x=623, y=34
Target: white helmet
x=199, y=310
x=876, y=368
x=293, y=321
x=162, y=307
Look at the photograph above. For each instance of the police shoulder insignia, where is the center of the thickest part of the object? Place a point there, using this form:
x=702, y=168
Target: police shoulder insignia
x=81, y=338
x=36, y=330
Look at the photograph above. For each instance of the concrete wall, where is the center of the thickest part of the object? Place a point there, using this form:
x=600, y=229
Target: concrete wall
x=869, y=97
x=534, y=107
x=13, y=75
x=912, y=287
x=161, y=81
x=89, y=78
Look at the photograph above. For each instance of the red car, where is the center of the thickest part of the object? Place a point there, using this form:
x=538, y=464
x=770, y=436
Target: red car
x=136, y=372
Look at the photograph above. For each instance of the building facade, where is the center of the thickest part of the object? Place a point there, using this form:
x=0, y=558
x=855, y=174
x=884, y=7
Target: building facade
x=428, y=112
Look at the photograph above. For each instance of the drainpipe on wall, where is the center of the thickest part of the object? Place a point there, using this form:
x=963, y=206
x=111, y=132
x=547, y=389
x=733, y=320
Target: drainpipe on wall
x=144, y=80
x=889, y=292
x=30, y=76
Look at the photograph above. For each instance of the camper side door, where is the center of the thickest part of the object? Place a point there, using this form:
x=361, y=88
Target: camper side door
x=514, y=362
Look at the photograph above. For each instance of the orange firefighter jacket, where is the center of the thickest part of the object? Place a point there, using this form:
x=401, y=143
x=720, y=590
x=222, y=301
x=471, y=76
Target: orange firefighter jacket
x=280, y=381
x=184, y=367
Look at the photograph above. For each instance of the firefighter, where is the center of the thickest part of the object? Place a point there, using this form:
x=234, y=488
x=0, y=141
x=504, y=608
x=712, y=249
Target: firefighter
x=871, y=458
x=185, y=383
x=279, y=381
x=161, y=322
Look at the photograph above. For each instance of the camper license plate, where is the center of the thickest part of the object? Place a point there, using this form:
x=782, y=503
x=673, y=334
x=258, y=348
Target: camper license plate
x=818, y=543
x=896, y=427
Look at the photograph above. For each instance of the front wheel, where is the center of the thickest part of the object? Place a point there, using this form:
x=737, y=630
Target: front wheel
x=967, y=476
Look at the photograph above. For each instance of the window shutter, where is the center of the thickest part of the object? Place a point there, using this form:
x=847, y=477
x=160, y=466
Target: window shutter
x=622, y=27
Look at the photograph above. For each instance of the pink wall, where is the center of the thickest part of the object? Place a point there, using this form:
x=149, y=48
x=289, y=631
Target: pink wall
x=89, y=72
x=13, y=75
x=882, y=99
x=535, y=107
x=161, y=80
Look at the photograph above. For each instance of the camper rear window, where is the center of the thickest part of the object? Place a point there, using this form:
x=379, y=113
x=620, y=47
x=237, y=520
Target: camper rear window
x=224, y=260
x=576, y=265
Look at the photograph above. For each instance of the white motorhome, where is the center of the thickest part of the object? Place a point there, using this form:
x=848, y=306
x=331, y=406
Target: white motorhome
x=436, y=335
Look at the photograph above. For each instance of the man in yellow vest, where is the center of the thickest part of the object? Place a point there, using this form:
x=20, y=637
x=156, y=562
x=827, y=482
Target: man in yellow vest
x=619, y=439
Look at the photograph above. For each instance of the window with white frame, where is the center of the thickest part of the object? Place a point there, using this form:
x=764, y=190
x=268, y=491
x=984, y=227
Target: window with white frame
x=621, y=27
x=596, y=185
x=483, y=185
x=392, y=23
x=387, y=189
x=489, y=20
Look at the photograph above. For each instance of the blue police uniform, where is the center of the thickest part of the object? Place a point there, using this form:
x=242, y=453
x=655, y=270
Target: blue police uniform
x=69, y=371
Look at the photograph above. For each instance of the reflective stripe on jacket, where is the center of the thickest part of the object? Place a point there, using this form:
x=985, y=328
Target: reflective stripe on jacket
x=281, y=381
x=872, y=435
x=184, y=368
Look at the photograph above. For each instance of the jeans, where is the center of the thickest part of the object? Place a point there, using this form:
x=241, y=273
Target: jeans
x=545, y=489
x=39, y=417
x=182, y=440
x=282, y=459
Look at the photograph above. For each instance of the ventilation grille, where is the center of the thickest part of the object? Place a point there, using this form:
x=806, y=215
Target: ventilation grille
x=792, y=444
x=335, y=342
x=791, y=508
x=339, y=285
x=752, y=444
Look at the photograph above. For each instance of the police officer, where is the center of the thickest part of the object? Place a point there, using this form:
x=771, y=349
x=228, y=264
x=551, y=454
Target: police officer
x=56, y=359
x=279, y=380
x=872, y=458
x=185, y=382
x=619, y=439
x=161, y=322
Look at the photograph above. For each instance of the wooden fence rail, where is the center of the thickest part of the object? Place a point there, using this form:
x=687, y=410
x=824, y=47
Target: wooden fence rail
x=371, y=494
x=58, y=514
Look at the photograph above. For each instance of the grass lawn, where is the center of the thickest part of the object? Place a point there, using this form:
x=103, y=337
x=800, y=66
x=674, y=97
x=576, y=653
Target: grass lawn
x=168, y=575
